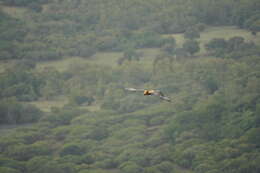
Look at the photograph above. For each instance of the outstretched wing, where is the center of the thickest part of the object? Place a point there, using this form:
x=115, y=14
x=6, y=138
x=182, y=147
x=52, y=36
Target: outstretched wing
x=161, y=95
x=165, y=98
x=133, y=89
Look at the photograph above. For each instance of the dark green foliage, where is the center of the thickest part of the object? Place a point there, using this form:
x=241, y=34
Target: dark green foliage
x=216, y=43
x=234, y=43
x=242, y=13
x=191, y=46
x=20, y=81
x=12, y=31
x=131, y=167
x=10, y=163
x=252, y=137
x=42, y=55
x=146, y=39
x=169, y=46
x=98, y=133
x=81, y=28
x=8, y=170
x=211, y=125
x=44, y=164
x=13, y=112
x=25, y=152
x=88, y=159
x=79, y=100
x=71, y=149
x=165, y=167
x=130, y=54
x=235, y=47
x=217, y=124
x=37, y=164
x=62, y=117
x=107, y=43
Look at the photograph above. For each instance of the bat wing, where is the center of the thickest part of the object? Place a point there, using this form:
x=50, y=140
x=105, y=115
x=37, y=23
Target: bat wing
x=133, y=89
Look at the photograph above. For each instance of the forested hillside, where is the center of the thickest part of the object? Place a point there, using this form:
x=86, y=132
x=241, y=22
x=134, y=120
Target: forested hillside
x=64, y=65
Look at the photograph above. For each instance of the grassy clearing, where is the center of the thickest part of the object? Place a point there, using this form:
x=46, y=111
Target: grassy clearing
x=106, y=58
x=148, y=55
x=110, y=58
x=2, y=67
x=46, y=105
x=5, y=64
x=100, y=58
x=91, y=108
x=60, y=65
x=16, y=12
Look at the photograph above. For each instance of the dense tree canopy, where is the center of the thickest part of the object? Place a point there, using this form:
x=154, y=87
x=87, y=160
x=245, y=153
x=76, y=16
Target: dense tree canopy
x=64, y=65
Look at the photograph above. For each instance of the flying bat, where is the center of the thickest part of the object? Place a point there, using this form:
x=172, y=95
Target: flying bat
x=150, y=92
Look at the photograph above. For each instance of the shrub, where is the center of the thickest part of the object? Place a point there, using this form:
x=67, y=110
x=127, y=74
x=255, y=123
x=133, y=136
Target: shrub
x=130, y=167
x=10, y=163
x=165, y=167
x=191, y=46
x=107, y=43
x=216, y=43
x=79, y=100
x=147, y=39
x=13, y=112
x=71, y=149
x=25, y=152
x=8, y=170
x=62, y=117
x=85, y=51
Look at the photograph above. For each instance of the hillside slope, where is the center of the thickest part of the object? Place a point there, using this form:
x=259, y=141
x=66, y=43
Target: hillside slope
x=64, y=66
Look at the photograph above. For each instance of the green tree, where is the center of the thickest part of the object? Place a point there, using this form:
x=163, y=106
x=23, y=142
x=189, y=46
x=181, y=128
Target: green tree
x=71, y=149
x=12, y=33
x=191, y=46
x=13, y=112
x=216, y=47
x=235, y=43
x=8, y=170
x=130, y=167
x=129, y=54
x=26, y=152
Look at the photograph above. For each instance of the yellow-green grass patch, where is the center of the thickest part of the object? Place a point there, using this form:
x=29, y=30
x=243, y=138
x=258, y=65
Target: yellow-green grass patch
x=100, y=58
x=106, y=58
x=148, y=56
x=17, y=12
x=46, y=105
x=91, y=108
x=2, y=67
